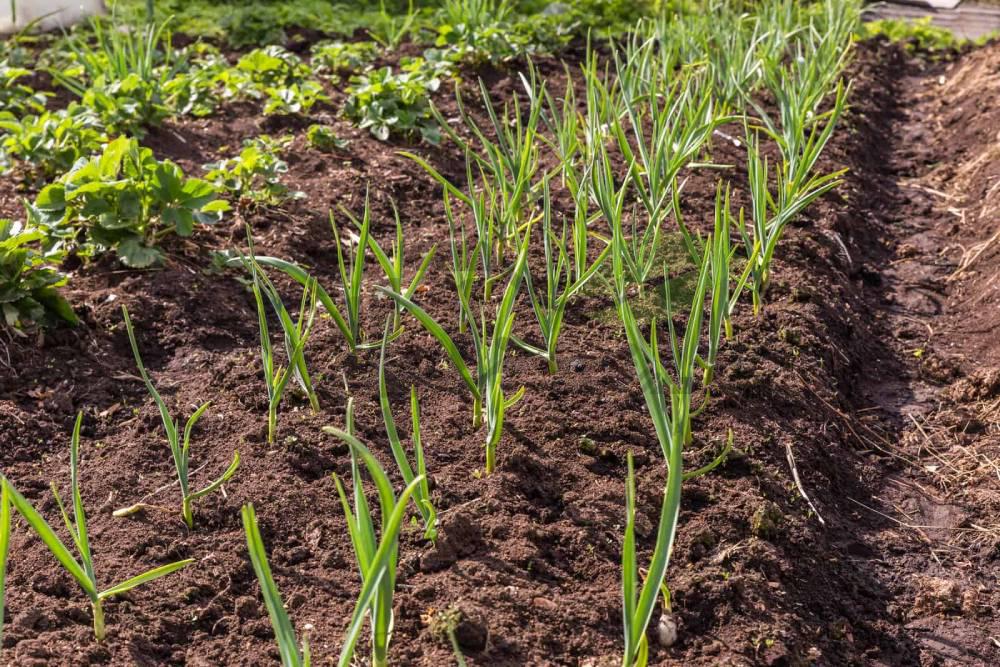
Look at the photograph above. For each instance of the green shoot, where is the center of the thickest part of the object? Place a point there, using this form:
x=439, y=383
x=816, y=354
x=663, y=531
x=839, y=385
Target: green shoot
x=288, y=646
x=668, y=123
x=672, y=422
x=83, y=569
x=422, y=495
x=463, y=263
x=771, y=214
x=512, y=160
x=296, y=332
x=491, y=357
x=628, y=259
x=352, y=273
x=550, y=306
x=180, y=447
x=723, y=297
x=486, y=388
x=348, y=321
x=392, y=265
x=564, y=123
x=377, y=557
x=390, y=29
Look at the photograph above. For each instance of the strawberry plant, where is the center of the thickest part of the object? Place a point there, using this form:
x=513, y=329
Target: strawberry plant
x=29, y=286
x=324, y=139
x=336, y=58
x=124, y=200
x=195, y=90
x=272, y=66
x=388, y=102
x=52, y=141
x=253, y=176
x=16, y=97
x=277, y=76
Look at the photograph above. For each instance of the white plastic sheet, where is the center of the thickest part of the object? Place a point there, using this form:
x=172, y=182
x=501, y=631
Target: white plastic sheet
x=16, y=14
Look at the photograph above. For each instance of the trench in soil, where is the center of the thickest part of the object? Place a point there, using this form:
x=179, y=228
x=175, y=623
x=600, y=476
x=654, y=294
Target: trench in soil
x=869, y=385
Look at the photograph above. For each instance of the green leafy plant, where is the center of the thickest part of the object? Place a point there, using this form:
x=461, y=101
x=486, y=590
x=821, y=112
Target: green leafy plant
x=294, y=98
x=672, y=423
x=377, y=556
x=275, y=75
x=352, y=273
x=478, y=31
x=296, y=335
x=489, y=400
x=195, y=87
x=324, y=139
x=390, y=29
x=292, y=653
x=669, y=120
x=29, y=285
x=511, y=160
x=253, y=25
x=422, y=494
x=387, y=102
x=348, y=320
x=121, y=74
x=271, y=66
x=83, y=569
x=16, y=97
x=338, y=57
x=253, y=176
x=918, y=36
x=52, y=141
x=180, y=447
x=463, y=263
x=125, y=200
x=772, y=214
x=724, y=296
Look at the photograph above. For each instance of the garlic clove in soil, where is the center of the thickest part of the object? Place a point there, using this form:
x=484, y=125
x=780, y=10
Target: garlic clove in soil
x=666, y=630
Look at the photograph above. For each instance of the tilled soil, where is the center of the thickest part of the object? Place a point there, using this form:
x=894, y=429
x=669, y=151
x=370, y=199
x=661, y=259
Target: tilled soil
x=869, y=384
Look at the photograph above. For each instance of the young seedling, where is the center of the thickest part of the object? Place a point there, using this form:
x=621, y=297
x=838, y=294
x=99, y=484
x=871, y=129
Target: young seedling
x=352, y=273
x=512, y=160
x=668, y=123
x=672, y=423
x=550, y=306
x=377, y=557
x=489, y=400
x=348, y=321
x=83, y=569
x=296, y=335
x=771, y=214
x=422, y=495
x=292, y=655
x=723, y=297
x=392, y=265
x=463, y=263
x=180, y=447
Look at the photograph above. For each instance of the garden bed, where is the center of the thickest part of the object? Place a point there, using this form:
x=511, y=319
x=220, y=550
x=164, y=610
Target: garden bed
x=894, y=564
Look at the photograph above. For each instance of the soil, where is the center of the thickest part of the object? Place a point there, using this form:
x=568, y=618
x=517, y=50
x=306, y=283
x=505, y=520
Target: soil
x=869, y=385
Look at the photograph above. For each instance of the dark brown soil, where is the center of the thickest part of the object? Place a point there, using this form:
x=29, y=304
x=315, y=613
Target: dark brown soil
x=865, y=348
